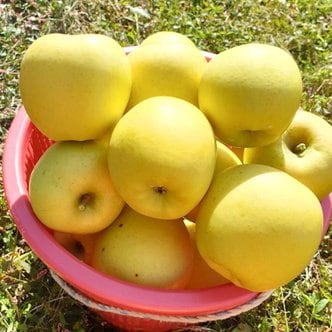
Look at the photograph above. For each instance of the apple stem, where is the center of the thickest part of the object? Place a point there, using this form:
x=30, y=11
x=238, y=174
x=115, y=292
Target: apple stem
x=299, y=149
x=84, y=201
x=160, y=190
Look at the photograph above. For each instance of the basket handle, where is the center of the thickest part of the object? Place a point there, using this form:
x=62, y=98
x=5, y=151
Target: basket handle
x=166, y=318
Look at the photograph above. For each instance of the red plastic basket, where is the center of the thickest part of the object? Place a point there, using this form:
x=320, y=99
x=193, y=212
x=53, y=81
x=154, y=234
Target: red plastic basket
x=123, y=304
x=126, y=305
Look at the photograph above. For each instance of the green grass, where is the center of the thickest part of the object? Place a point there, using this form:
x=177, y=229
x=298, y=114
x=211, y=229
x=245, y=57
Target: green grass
x=29, y=298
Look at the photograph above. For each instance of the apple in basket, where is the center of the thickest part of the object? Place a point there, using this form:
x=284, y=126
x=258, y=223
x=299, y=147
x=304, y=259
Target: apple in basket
x=144, y=250
x=75, y=87
x=202, y=276
x=225, y=158
x=71, y=190
x=250, y=93
x=162, y=156
x=304, y=151
x=80, y=245
x=258, y=226
x=166, y=64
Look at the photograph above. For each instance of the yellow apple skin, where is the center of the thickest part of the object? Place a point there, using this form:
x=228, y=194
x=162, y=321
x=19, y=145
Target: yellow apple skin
x=165, y=69
x=74, y=87
x=258, y=226
x=71, y=190
x=250, y=94
x=303, y=151
x=238, y=151
x=146, y=251
x=163, y=38
x=162, y=156
x=202, y=275
x=225, y=158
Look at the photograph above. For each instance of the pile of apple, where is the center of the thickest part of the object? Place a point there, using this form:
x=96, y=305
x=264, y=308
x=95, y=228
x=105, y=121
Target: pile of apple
x=172, y=171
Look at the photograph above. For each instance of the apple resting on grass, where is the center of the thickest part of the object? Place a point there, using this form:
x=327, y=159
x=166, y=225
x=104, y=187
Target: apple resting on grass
x=161, y=157
x=144, y=250
x=303, y=151
x=71, y=190
x=250, y=94
x=258, y=226
x=75, y=87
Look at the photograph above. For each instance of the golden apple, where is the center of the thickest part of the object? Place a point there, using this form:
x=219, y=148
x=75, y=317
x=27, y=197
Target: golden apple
x=145, y=251
x=163, y=38
x=75, y=87
x=80, y=245
x=303, y=151
x=69, y=243
x=225, y=158
x=71, y=190
x=166, y=68
x=161, y=157
x=250, y=94
x=258, y=226
x=202, y=275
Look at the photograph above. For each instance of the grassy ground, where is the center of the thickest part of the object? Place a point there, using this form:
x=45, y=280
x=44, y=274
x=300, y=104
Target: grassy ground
x=29, y=298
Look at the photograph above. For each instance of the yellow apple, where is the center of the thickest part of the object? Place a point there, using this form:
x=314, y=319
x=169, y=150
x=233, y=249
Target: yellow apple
x=163, y=38
x=225, y=158
x=80, y=245
x=202, y=275
x=69, y=243
x=304, y=151
x=87, y=242
x=238, y=151
x=161, y=157
x=71, y=190
x=165, y=68
x=144, y=250
x=74, y=87
x=258, y=226
x=250, y=94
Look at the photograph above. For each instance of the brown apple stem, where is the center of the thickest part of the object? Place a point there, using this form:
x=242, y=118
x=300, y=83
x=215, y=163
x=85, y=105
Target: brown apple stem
x=85, y=199
x=299, y=149
x=160, y=190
